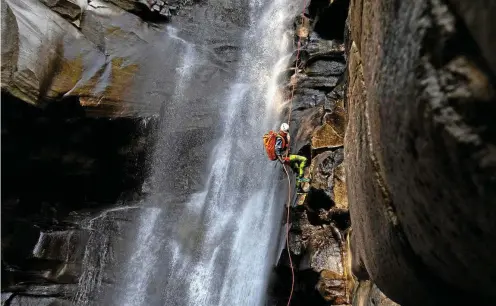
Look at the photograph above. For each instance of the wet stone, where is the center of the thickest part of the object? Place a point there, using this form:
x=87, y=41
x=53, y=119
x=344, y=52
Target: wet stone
x=327, y=137
x=20, y=300
x=307, y=98
x=326, y=67
x=324, y=83
x=318, y=47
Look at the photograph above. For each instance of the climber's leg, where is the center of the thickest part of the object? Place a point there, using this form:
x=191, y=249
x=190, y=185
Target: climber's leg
x=298, y=163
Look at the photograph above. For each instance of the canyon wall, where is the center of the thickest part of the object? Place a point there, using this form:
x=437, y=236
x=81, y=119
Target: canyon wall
x=393, y=106
x=417, y=100
x=319, y=217
x=419, y=149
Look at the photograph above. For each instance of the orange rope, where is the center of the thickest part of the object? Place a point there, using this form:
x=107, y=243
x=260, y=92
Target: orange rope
x=287, y=236
x=287, y=153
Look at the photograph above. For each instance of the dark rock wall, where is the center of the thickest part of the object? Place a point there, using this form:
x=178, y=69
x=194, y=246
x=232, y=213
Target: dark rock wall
x=60, y=169
x=416, y=99
x=319, y=219
x=367, y=294
x=419, y=149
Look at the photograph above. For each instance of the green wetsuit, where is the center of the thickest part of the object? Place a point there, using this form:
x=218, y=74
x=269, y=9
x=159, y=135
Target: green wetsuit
x=298, y=163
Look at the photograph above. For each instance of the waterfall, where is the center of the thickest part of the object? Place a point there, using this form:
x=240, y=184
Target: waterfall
x=216, y=246
x=241, y=213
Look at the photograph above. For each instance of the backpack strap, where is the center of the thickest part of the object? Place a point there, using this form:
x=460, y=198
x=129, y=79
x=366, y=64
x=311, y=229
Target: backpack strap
x=284, y=141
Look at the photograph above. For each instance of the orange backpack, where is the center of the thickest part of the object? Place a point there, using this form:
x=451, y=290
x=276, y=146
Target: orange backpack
x=269, y=140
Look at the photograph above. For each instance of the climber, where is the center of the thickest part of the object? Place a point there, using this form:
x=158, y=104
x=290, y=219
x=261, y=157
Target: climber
x=277, y=147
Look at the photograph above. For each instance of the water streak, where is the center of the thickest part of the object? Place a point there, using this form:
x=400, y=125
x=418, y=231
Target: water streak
x=138, y=271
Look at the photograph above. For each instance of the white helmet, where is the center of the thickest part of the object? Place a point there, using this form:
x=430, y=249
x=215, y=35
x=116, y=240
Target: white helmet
x=285, y=127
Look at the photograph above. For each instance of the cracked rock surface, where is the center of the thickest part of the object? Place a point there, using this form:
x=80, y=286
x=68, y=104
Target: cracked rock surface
x=419, y=149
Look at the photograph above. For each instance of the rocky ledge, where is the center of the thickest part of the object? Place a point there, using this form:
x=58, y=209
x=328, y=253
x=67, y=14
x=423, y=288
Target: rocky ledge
x=55, y=49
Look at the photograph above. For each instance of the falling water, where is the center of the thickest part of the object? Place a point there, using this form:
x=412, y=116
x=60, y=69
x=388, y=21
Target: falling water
x=216, y=247
x=97, y=255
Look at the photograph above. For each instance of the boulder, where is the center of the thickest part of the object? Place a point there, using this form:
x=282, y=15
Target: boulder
x=71, y=10
x=305, y=98
x=324, y=83
x=320, y=254
x=331, y=133
x=340, y=191
x=332, y=287
x=318, y=47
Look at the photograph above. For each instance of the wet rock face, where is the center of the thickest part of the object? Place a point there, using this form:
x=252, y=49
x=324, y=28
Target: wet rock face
x=151, y=9
x=419, y=149
x=320, y=217
x=100, y=51
x=60, y=170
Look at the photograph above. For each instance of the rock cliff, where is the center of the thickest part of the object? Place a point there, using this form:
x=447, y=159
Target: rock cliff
x=417, y=170
x=319, y=219
x=60, y=171
x=419, y=149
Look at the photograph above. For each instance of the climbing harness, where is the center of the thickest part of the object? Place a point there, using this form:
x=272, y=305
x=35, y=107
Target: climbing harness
x=286, y=170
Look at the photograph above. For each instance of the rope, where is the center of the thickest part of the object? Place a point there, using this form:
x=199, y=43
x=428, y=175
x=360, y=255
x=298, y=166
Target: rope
x=285, y=168
x=287, y=236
